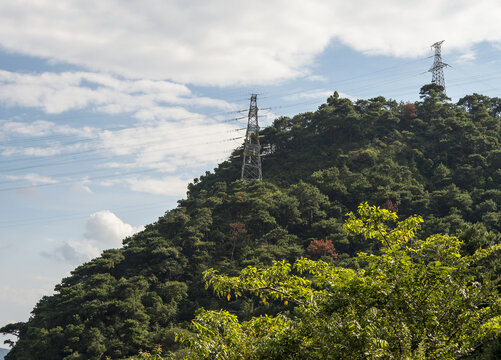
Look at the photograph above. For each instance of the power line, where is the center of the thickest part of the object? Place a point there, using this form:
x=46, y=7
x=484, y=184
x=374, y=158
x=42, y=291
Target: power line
x=46, y=219
x=288, y=93
x=96, y=138
x=72, y=181
x=205, y=114
x=121, y=127
x=80, y=160
x=107, y=169
x=349, y=79
x=73, y=154
x=141, y=144
x=159, y=138
x=76, y=155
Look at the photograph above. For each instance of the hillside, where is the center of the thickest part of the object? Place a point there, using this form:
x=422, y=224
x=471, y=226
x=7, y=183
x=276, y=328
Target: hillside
x=434, y=158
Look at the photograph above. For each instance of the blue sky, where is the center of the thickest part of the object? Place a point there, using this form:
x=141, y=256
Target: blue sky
x=109, y=108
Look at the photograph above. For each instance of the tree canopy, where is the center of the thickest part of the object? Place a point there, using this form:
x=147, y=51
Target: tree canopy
x=417, y=299
x=432, y=157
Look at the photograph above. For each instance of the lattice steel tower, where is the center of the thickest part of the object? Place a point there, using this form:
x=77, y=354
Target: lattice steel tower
x=437, y=68
x=251, y=165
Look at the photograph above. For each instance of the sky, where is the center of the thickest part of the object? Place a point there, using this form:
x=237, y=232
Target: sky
x=109, y=108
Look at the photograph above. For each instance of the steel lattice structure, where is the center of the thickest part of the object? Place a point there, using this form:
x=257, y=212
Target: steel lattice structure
x=251, y=165
x=438, y=66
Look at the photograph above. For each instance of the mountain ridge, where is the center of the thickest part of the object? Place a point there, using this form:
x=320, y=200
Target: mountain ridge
x=433, y=158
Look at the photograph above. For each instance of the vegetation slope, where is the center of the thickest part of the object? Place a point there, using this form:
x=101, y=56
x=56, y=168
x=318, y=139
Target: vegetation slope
x=434, y=158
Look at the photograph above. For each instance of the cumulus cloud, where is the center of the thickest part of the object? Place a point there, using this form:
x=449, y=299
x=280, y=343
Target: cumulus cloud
x=73, y=252
x=103, y=230
x=221, y=43
x=55, y=93
x=224, y=42
x=165, y=134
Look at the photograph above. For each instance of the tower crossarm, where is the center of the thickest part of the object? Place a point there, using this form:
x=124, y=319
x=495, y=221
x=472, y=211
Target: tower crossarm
x=438, y=65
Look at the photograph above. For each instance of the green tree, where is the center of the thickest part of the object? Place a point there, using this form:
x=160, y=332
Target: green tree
x=417, y=299
x=435, y=158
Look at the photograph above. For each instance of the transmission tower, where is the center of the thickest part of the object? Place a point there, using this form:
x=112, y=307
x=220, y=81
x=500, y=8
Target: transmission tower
x=251, y=165
x=438, y=66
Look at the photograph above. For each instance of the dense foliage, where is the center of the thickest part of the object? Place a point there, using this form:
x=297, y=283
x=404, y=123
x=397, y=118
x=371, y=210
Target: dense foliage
x=433, y=157
x=418, y=299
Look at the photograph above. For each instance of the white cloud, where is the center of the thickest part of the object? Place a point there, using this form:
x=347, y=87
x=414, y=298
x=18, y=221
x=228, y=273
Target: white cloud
x=74, y=252
x=38, y=151
x=44, y=128
x=22, y=296
x=32, y=178
x=222, y=42
x=310, y=94
x=166, y=128
x=469, y=55
x=80, y=187
x=316, y=78
x=103, y=230
x=50, y=147
x=168, y=146
x=36, y=128
x=319, y=94
x=407, y=28
x=160, y=147
x=169, y=185
x=55, y=93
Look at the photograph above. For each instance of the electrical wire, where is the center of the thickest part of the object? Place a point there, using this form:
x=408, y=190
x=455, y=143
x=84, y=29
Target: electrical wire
x=80, y=160
x=72, y=181
x=107, y=169
x=136, y=145
x=132, y=142
x=184, y=130
x=46, y=219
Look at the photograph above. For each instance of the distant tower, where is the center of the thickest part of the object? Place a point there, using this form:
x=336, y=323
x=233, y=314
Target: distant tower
x=251, y=165
x=437, y=69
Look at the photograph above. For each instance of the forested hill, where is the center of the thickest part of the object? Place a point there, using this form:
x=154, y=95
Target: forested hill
x=434, y=158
